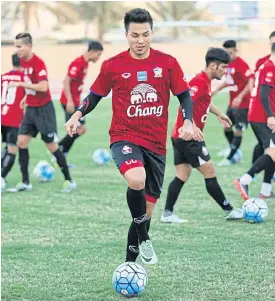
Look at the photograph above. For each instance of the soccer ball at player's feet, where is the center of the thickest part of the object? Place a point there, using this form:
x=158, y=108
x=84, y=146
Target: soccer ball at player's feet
x=101, y=156
x=255, y=210
x=129, y=279
x=237, y=157
x=43, y=171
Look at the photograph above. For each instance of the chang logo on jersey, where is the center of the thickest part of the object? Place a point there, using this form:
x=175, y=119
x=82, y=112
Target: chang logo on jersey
x=144, y=94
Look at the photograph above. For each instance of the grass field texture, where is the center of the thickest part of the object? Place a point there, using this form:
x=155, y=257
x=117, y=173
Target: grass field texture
x=65, y=247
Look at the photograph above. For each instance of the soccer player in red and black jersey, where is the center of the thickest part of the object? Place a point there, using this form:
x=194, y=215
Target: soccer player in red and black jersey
x=39, y=115
x=259, y=149
x=239, y=78
x=73, y=85
x=194, y=154
x=262, y=119
x=12, y=113
x=140, y=79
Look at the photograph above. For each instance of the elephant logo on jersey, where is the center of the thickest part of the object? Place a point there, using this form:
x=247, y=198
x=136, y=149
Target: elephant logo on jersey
x=144, y=94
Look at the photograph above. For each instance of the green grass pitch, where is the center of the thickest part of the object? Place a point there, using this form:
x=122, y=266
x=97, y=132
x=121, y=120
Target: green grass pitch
x=65, y=247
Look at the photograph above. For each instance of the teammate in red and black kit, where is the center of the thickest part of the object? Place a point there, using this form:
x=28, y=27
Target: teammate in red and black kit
x=39, y=115
x=12, y=113
x=262, y=119
x=194, y=154
x=73, y=85
x=259, y=149
x=239, y=78
x=140, y=79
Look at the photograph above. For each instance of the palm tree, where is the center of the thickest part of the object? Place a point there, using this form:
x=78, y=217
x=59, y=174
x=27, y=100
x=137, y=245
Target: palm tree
x=178, y=11
x=65, y=12
x=104, y=13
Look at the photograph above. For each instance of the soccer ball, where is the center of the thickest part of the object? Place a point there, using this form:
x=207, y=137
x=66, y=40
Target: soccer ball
x=237, y=157
x=255, y=210
x=101, y=156
x=129, y=279
x=43, y=171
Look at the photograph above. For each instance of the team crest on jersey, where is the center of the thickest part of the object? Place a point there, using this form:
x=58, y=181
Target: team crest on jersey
x=193, y=90
x=157, y=72
x=126, y=75
x=142, y=76
x=126, y=150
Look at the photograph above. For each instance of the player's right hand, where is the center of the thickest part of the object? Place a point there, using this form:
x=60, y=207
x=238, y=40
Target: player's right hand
x=271, y=123
x=186, y=132
x=71, y=125
x=70, y=107
x=198, y=134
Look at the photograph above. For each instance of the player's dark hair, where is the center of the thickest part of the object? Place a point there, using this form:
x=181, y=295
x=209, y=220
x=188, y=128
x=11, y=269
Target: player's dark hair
x=26, y=38
x=273, y=47
x=15, y=60
x=217, y=55
x=95, y=45
x=272, y=35
x=137, y=15
x=230, y=44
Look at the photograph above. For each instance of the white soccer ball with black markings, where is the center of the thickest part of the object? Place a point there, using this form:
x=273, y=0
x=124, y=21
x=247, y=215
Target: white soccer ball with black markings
x=255, y=210
x=43, y=171
x=129, y=279
x=101, y=156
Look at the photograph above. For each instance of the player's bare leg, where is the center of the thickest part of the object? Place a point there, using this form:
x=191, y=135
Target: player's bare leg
x=136, y=200
x=183, y=172
x=69, y=184
x=22, y=144
x=215, y=191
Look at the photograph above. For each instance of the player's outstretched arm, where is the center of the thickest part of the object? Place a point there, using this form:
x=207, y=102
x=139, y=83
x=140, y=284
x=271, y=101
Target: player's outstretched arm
x=42, y=86
x=223, y=118
x=87, y=105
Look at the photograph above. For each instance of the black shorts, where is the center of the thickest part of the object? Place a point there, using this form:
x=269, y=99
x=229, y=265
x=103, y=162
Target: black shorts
x=128, y=155
x=69, y=115
x=9, y=134
x=40, y=119
x=263, y=134
x=191, y=152
x=239, y=118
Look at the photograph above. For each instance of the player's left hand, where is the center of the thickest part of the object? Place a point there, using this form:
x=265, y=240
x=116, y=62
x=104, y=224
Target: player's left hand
x=271, y=123
x=236, y=102
x=186, y=132
x=14, y=84
x=225, y=121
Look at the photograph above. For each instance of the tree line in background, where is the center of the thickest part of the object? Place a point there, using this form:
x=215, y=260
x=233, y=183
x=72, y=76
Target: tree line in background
x=105, y=14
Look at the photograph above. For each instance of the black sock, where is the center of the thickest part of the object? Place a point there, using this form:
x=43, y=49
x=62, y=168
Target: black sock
x=132, y=249
x=234, y=146
x=61, y=161
x=229, y=136
x=67, y=142
x=24, y=164
x=262, y=163
x=137, y=204
x=257, y=152
x=268, y=174
x=4, y=151
x=173, y=193
x=7, y=164
x=214, y=189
